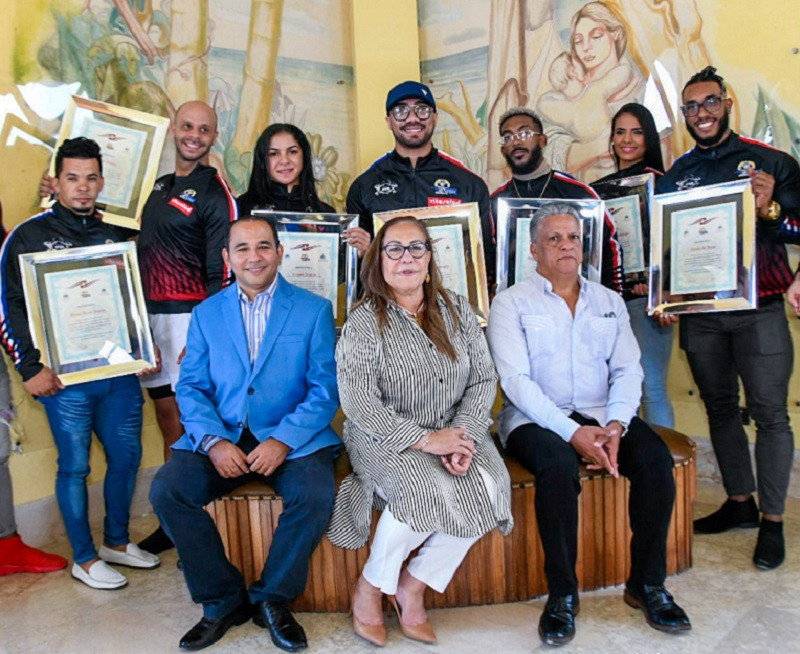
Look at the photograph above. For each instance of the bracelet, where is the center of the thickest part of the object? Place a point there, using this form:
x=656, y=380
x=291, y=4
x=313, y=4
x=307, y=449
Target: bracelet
x=425, y=442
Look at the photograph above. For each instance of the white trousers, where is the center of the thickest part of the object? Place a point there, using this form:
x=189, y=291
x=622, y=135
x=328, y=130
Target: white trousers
x=435, y=563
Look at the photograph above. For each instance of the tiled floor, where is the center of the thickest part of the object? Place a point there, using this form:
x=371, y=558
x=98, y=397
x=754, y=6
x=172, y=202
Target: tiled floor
x=733, y=607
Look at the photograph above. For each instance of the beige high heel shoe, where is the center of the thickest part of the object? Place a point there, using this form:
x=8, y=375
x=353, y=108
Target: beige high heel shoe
x=424, y=632
x=372, y=633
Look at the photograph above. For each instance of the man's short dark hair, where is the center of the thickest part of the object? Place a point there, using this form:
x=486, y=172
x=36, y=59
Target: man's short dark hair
x=520, y=111
x=78, y=148
x=708, y=74
x=253, y=218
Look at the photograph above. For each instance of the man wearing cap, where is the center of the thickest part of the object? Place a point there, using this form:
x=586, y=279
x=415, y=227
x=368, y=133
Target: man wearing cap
x=416, y=174
x=522, y=140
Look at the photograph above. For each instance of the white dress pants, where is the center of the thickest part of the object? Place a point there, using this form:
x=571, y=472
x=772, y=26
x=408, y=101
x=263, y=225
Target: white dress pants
x=435, y=563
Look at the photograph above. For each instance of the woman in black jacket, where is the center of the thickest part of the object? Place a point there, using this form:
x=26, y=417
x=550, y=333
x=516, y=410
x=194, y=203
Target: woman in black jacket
x=282, y=178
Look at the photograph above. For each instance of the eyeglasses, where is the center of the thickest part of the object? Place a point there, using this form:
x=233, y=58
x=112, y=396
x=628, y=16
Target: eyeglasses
x=712, y=104
x=417, y=249
x=524, y=135
x=402, y=111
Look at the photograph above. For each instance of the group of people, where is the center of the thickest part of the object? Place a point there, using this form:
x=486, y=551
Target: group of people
x=251, y=374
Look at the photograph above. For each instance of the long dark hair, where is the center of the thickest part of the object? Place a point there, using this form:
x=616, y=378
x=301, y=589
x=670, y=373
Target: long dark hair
x=261, y=190
x=377, y=290
x=652, y=144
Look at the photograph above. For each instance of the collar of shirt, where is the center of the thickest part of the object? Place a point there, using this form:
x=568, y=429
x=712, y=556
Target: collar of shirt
x=255, y=315
x=546, y=286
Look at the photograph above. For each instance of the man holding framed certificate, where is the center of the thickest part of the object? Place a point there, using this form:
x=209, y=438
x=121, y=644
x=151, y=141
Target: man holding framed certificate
x=754, y=346
x=522, y=140
x=415, y=174
x=110, y=407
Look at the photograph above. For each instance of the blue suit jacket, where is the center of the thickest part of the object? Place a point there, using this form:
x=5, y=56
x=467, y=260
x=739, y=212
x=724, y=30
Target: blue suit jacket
x=289, y=393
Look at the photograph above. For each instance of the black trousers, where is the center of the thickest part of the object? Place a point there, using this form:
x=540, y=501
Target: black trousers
x=756, y=347
x=189, y=481
x=643, y=458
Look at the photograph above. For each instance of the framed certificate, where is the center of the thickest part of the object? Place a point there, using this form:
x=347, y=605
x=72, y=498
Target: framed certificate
x=457, y=244
x=86, y=311
x=130, y=142
x=317, y=258
x=628, y=204
x=514, y=215
x=703, y=250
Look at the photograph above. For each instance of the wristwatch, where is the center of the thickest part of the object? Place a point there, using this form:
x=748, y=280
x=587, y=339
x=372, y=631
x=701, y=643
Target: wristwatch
x=773, y=211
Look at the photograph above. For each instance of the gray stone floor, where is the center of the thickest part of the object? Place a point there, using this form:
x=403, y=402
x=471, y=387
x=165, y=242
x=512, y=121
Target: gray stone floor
x=733, y=607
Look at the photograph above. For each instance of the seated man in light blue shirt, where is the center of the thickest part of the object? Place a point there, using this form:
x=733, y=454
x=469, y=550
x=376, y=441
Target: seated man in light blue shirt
x=569, y=369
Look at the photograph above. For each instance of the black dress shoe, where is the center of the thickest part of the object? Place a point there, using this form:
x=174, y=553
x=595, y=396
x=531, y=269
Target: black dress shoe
x=208, y=631
x=731, y=515
x=658, y=606
x=284, y=630
x=157, y=542
x=770, y=547
x=557, y=624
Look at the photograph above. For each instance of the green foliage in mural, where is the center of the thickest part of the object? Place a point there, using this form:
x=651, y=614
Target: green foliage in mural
x=98, y=51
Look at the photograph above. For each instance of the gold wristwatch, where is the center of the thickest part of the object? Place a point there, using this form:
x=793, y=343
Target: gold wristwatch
x=773, y=211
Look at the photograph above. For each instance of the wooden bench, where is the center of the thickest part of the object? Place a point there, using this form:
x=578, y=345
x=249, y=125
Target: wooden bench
x=497, y=569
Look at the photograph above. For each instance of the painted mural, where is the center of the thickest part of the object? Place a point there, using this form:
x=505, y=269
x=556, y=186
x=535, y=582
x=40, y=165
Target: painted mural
x=576, y=63
x=255, y=62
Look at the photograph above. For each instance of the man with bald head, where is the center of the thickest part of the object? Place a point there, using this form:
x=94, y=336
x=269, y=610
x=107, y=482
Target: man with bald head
x=180, y=254
x=569, y=369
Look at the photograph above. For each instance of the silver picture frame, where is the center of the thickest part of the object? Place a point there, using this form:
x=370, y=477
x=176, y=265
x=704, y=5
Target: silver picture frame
x=317, y=257
x=703, y=250
x=513, y=240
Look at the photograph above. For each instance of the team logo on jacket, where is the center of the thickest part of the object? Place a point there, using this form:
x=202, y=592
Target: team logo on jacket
x=745, y=168
x=158, y=186
x=190, y=195
x=690, y=181
x=386, y=187
x=442, y=187
x=57, y=244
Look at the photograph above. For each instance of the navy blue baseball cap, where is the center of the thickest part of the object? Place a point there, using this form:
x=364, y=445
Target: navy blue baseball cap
x=407, y=91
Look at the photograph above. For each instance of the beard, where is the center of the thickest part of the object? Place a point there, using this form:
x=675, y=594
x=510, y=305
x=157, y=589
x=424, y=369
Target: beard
x=529, y=166
x=413, y=142
x=709, y=141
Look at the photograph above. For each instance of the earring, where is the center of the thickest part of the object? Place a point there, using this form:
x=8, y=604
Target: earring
x=428, y=278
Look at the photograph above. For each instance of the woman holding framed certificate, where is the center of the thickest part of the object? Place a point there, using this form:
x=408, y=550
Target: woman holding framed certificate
x=417, y=385
x=636, y=149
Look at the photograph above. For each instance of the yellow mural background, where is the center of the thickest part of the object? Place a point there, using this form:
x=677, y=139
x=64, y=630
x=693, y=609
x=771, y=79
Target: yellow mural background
x=749, y=47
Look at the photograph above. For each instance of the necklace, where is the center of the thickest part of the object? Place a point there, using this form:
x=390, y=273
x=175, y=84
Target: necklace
x=544, y=188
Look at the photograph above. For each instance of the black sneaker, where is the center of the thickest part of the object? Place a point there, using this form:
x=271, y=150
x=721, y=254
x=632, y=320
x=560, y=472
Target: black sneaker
x=157, y=542
x=731, y=515
x=770, y=548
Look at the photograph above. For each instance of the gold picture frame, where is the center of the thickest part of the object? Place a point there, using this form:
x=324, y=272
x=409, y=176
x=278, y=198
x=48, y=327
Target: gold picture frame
x=458, y=228
x=130, y=142
x=86, y=311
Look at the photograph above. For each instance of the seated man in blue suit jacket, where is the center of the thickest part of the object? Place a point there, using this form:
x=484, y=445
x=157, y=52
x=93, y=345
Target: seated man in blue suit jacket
x=257, y=393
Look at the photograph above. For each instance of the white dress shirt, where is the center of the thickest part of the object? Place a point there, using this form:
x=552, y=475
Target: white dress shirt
x=551, y=363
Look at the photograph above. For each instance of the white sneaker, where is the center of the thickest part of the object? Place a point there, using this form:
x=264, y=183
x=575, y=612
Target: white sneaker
x=100, y=576
x=133, y=557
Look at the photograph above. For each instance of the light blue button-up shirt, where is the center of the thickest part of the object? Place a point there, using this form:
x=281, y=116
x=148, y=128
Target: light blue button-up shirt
x=551, y=363
x=255, y=315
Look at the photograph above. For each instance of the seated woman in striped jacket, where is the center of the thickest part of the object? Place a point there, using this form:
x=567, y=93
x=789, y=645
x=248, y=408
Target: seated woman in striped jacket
x=417, y=385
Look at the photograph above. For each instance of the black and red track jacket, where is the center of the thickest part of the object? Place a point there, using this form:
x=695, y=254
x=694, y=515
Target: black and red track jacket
x=184, y=224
